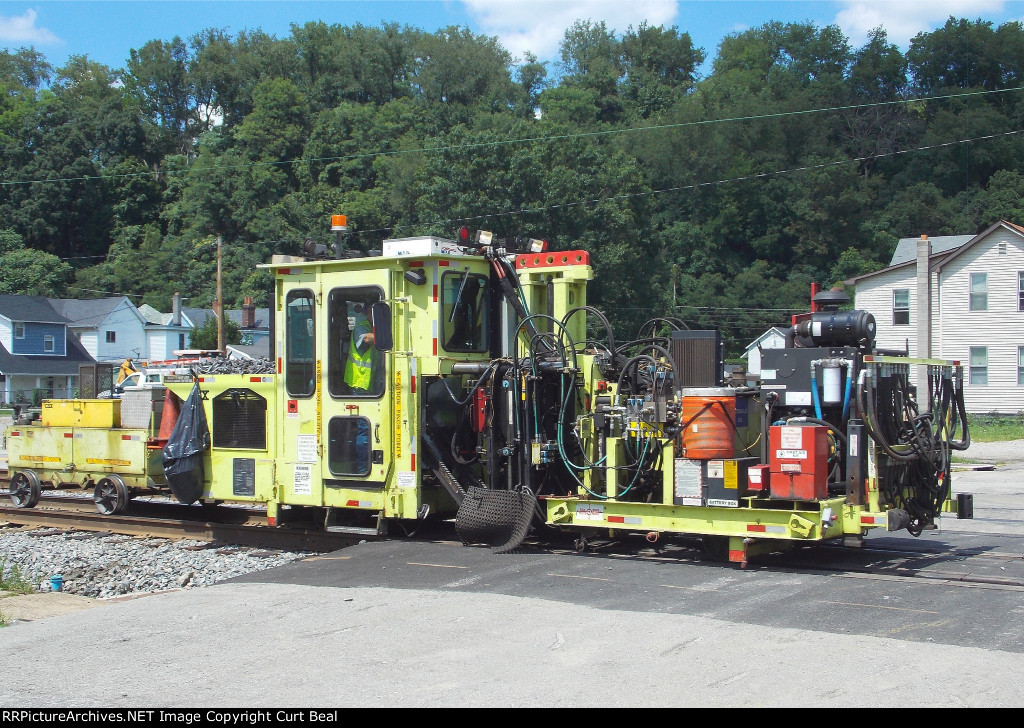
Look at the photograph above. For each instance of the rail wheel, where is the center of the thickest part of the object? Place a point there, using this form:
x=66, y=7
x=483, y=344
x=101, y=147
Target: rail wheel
x=24, y=489
x=111, y=496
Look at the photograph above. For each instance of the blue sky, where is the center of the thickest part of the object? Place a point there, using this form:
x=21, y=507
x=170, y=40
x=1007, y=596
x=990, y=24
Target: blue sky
x=106, y=30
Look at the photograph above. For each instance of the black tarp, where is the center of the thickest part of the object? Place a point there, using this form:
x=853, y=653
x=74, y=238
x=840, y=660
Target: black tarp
x=183, y=453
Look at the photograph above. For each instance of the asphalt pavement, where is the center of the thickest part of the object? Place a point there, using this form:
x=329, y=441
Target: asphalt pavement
x=378, y=625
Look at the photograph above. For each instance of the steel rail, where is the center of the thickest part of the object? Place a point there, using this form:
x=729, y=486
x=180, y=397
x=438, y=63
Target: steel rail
x=244, y=534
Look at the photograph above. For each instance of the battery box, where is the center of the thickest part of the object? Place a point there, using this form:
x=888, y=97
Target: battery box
x=727, y=481
x=718, y=482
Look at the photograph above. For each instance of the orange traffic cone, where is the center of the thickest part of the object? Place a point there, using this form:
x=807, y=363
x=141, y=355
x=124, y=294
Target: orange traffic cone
x=168, y=418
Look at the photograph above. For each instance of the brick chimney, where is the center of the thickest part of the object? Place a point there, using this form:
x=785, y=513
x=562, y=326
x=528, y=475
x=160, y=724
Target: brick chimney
x=248, y=313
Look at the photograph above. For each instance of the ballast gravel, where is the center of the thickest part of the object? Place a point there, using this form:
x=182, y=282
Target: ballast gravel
x=102, y=565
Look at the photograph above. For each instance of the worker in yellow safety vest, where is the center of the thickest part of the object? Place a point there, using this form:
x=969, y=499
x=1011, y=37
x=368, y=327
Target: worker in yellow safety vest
x=127, y=367
x=362, y=354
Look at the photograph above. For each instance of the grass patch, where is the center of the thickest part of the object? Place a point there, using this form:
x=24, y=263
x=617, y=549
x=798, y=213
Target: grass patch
x=12, y=579
x=4, y=621
x=996, y=427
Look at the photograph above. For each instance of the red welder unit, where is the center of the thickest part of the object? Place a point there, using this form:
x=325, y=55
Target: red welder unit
x=798, y=460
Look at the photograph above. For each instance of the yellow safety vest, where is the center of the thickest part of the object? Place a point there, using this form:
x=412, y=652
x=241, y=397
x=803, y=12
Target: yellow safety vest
x=359, y=367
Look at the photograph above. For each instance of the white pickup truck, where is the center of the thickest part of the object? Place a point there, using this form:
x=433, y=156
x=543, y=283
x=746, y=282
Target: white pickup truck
x=135, y=380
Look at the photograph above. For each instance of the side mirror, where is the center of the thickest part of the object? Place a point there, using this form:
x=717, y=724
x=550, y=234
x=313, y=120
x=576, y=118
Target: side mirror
x=380, y=319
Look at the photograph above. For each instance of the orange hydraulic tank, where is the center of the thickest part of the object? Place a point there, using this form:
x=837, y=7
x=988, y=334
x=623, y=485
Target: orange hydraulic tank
x=709, y=423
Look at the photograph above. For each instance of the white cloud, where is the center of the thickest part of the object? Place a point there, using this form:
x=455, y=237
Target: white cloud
x=539, y=25
x=21, y=29
x=903, y=19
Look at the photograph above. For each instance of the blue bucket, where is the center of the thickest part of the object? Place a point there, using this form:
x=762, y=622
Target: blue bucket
x=56, y=582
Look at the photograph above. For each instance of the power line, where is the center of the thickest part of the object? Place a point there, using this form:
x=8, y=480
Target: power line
x=694, y=186
x=105, y=293
x=503, y=142
x=682, y=188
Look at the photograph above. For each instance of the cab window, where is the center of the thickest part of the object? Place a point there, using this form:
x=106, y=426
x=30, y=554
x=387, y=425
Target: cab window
x=348, y=446
x=355, y=368
x=300, y=360
x=464, y=311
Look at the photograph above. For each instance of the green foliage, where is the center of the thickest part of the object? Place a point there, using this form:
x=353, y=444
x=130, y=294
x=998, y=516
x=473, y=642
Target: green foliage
x=28, y=272
x=13, y=578
x=718, y=200
x=204, y=336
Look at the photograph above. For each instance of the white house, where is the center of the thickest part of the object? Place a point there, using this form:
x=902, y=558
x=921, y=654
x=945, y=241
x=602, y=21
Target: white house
x=959, y=298
x=773, y=338
x=166, y=332
x=110, y=329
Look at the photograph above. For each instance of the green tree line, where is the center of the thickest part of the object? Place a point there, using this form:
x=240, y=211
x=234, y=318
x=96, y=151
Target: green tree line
x=716, y=199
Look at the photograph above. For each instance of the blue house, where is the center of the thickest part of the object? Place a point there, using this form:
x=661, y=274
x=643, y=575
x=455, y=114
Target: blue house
x=38, y=358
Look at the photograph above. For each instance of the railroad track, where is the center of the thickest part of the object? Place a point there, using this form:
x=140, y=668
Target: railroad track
x=921, y=562
x=158, y=519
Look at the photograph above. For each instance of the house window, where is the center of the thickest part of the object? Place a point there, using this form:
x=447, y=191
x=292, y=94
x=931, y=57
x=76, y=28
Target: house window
x=48, y=343
x=181, y=341
x=979, y=292
x=1020, y=290
x=979, y=365
x=901, y=307
x=111, y=337
x=19, y=331
x=1020, y=365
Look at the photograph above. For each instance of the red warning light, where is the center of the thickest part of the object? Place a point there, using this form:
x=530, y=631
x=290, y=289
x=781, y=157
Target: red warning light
x=464, y=233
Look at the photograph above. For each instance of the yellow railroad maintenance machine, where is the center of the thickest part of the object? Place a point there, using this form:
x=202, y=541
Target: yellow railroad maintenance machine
x=470, y=379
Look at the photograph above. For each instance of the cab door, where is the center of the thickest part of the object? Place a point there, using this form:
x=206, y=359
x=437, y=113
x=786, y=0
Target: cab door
x=299, y=432
x=356, y=427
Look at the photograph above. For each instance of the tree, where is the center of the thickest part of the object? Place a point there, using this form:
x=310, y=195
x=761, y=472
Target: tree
x=206, y=335
x=591, y=60
x=660, y=67
x=157, y=78
x=22, y=75
x=961, y=54
x=28, y=272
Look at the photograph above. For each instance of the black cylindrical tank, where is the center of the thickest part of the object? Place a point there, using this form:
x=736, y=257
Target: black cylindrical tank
x=839, y=328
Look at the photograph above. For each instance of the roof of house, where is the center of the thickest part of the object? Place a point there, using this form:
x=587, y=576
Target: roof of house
x=261, y=317
x=773, y=330
x=35, y=309
x=153, y=316
x=44, y=365
x=157, y=318
x=942, y=253
x=906, y=248
x=259, y=350
x=981, y=236
x=199, y=316
x=87, y=312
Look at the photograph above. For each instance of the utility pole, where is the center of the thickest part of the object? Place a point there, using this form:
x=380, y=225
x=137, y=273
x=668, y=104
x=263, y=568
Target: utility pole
x=220, y=302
